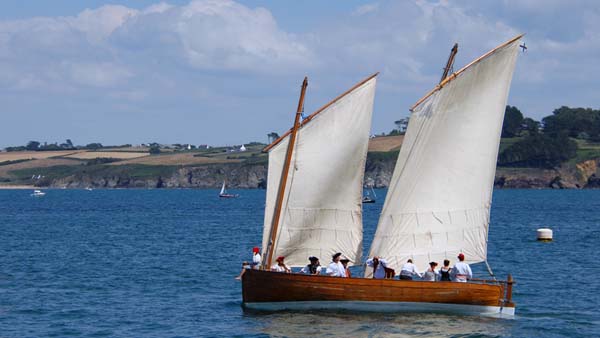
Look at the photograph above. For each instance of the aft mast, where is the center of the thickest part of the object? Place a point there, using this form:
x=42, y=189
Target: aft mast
x=284, y=174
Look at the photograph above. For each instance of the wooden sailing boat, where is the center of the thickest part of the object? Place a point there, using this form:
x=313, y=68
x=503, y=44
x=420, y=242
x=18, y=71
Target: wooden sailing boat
x=225, y=194
x=438, y=203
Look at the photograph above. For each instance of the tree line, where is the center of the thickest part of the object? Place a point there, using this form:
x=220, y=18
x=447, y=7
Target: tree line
x=548, y=143
x=67, y=145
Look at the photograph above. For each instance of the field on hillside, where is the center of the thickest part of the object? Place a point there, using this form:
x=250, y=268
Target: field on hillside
x=186, y=158
x=88, y=155
x=28, y=155
x=385, y=143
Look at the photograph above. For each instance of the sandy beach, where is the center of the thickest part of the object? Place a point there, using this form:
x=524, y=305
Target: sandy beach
x=18, y=187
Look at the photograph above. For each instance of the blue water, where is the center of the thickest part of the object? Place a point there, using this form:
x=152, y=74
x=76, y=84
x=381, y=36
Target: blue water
x=161, y=263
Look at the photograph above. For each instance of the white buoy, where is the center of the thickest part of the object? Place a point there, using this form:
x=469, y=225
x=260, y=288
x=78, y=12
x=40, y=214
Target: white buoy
x=544, y=235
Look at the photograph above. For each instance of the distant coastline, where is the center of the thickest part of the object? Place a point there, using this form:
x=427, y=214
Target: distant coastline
x=242, y=166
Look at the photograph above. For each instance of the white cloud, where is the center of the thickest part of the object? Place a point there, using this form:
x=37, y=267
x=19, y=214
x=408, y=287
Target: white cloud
x=366, y=9
x=218, y=59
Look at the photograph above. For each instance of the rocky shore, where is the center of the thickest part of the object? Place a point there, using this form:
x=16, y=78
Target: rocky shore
x=378, y=173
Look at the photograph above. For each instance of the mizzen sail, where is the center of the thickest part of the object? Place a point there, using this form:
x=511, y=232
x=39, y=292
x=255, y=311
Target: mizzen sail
x=438, y=202
x=322, y=205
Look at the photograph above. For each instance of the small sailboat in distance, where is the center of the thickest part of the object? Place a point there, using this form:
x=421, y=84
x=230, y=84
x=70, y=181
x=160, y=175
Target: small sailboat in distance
x=225, y=194
x=368, y=198
x=38, y=193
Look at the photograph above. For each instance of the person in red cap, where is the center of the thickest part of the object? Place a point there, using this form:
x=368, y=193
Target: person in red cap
x=461, y=272
x=280, y=266
x=256, y=258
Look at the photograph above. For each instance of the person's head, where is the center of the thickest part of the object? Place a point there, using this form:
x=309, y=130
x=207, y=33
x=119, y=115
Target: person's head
x=409, y=260
x=255, y=250
x=432, y=265
x=461, y=257
x=280, y=260
x=336, y=257
x=313, y=260
x=446, y=262
x=344, y=261
x=376, y=259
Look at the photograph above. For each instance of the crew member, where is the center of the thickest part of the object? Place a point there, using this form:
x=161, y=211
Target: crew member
x=378, y=264
x=461, y=272
x=335, y=268
x=313, y=268
x=280, y=266
x=409, y=270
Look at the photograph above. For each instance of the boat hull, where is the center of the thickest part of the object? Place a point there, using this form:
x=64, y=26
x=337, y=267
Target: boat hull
x=271, y=291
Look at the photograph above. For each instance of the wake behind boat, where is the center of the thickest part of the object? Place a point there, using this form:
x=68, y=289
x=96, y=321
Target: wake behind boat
x=433, y=210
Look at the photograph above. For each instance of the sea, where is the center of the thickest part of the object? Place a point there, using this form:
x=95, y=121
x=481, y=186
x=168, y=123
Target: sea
x=162, y=263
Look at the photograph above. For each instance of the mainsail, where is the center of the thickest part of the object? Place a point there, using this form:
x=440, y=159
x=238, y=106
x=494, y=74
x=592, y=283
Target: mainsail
x=321, y=211
x=223, y=189
x=439, y=198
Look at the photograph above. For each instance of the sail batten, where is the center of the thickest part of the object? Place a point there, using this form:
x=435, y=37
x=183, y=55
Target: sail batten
x=438, y=202
x=321, y=211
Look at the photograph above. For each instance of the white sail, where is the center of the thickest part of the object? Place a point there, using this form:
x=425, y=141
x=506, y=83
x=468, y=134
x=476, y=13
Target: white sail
x=439, y=199
x=222, y=189
x=322, y=210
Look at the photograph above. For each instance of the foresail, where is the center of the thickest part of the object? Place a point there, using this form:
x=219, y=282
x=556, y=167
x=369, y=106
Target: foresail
x=438, y=202
x=322, y=206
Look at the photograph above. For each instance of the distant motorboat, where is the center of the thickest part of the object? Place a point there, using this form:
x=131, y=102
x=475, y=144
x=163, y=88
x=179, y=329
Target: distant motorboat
x=224, y=194
x=38, y=193
x=89, y=189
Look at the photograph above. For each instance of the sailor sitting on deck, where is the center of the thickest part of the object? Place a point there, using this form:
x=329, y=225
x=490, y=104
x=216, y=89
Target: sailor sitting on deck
x=335, y=268
x=409, y=270
x=280, y=266
x=461, y=271
x=314, y=268
x=379, y=266
x=345, y=262
x=431, y=275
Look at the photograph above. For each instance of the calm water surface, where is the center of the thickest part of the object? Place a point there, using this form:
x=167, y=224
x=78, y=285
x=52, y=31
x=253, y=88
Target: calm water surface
x=161, y=263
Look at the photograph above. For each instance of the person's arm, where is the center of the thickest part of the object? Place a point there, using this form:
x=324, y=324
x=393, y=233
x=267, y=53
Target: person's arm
x=330, y=271
x=469, y=272
x=416, y=272
x=319, y=268
x=369, y=262
x=287, y=269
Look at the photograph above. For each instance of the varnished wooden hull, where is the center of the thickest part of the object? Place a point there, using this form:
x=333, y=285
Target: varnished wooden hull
x=266, y=290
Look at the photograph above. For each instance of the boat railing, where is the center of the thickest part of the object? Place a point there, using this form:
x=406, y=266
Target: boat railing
x=506, y=286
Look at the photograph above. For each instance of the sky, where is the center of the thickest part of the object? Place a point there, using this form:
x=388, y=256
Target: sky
x=224, y=72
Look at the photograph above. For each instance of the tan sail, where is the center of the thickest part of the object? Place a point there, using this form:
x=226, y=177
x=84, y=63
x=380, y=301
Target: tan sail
x=438, y=202
x=321, y=212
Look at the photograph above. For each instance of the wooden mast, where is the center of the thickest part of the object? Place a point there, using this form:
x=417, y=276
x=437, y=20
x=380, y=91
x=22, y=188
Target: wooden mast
x=450, y=62
x=284, y=175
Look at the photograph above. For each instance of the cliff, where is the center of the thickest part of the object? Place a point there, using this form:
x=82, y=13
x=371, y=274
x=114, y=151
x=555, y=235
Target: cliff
x=378, y=173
